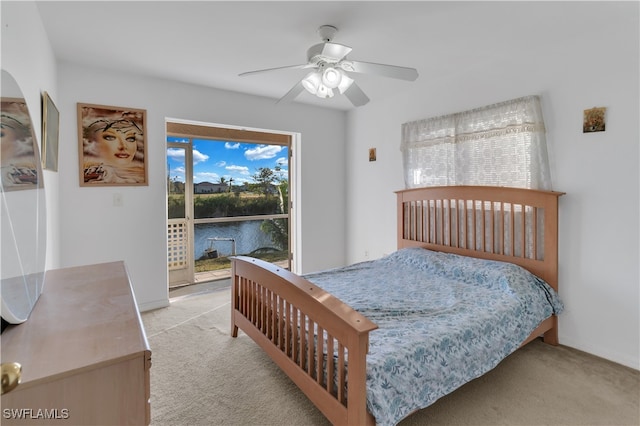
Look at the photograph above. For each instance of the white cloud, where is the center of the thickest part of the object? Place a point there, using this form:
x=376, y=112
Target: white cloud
x=241, y=181
x=262, y=152
x=199, y=157
x=243, y=170
x=177, y=174
x=221, y=163
x=206, y=177
x=281, y=161
x=176, y=154
x=229, y=145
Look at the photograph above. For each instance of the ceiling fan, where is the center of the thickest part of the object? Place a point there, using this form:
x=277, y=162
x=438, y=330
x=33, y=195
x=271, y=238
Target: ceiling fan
x=331, y=68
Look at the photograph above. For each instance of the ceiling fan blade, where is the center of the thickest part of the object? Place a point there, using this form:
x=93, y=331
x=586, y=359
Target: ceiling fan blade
x=355, y=94
x=292, y=93
x=393, y=71
x=302, y=66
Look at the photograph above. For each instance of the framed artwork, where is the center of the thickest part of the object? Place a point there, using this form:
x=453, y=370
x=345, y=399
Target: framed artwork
x=594, y=120
x=20, y=156
x=112, y=145
x=50, y=132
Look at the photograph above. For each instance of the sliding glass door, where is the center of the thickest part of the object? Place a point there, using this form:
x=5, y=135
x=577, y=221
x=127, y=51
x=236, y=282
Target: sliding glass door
x=226, y=197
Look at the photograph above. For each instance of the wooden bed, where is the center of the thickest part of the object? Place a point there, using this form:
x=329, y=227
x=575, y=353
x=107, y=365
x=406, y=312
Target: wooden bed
x=285, y=314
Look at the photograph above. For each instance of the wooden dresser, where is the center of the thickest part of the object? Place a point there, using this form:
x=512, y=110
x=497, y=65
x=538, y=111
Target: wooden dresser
x=84, y=353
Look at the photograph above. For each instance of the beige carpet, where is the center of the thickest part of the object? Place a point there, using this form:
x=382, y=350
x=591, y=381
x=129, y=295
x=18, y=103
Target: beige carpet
x=202, y=376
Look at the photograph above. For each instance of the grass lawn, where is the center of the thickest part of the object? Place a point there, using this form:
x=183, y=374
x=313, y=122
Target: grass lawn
x=204, y=265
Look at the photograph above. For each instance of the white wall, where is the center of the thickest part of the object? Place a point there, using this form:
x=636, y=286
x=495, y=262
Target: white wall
x=95, y=231
x=27, y=56
x=596, y=64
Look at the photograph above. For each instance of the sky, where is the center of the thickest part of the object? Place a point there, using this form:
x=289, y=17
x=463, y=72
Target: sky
x=213, y=160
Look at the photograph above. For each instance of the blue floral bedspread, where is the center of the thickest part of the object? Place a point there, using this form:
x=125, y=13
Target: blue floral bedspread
x=443, y=320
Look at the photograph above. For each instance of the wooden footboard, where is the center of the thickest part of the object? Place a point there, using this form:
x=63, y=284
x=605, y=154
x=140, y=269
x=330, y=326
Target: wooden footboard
x=309, y=334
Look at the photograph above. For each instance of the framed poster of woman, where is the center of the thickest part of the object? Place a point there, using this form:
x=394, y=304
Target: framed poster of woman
x=20, y=157
x=112, y=145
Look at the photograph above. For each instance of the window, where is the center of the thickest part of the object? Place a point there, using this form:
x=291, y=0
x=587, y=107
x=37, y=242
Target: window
x=497, y=145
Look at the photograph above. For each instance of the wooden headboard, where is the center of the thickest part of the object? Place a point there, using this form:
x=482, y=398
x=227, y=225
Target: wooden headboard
x=509, y=224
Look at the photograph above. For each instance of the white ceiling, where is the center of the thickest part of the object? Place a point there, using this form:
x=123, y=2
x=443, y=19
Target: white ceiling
x=209, y=43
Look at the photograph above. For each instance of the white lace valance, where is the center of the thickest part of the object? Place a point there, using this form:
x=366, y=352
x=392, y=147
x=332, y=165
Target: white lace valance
x=499, y=145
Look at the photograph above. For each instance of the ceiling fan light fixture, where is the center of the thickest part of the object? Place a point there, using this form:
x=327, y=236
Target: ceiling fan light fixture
x=312, y=82
x=324, y=92
x=331, y=77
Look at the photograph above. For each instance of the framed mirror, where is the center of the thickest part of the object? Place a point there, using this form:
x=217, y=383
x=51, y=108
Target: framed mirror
x=23, y=222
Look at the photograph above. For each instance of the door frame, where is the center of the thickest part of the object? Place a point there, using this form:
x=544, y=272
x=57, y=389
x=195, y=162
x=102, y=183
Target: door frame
x=295, y=214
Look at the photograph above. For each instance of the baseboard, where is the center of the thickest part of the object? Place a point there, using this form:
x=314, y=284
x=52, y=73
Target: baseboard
x=622, y=359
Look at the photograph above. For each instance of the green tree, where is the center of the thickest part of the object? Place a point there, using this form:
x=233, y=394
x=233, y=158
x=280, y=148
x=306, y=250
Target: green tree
x=267, y=182
x=264, y=181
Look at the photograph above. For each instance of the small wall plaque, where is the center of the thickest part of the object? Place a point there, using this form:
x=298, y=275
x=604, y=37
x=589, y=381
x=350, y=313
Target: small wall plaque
x=594, y=120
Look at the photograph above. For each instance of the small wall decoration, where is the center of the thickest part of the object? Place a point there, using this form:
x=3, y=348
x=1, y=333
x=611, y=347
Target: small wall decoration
x=20, y=156
x=112, y=145
x=594, y=120
x=372, y=154
x=50, y=132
